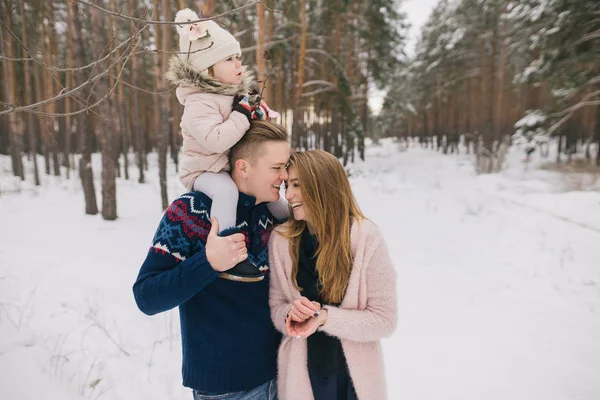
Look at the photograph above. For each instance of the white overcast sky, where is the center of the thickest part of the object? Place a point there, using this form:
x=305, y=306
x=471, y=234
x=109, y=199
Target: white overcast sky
x=417, y=12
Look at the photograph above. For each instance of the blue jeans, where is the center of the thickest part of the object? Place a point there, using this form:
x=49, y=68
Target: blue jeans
x=266, y=391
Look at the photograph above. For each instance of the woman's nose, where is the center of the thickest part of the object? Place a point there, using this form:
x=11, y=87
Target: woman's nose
x=283, y=174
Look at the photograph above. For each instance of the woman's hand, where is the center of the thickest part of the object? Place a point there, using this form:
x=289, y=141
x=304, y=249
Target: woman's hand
x=302, y=330
x=303, y=309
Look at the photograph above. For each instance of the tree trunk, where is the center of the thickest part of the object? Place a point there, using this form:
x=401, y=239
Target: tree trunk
x=485, y=140
x=68, y=100
x=206, y=7
x=136, y=114
x=28, y=93
x=50, y=84
x=270, y=90
x=260, y=45
x=598, y=132
x=176, y=113
x=15, y=123
x=120, y=112
x=105, y=126
x=84, y=131
x=164, y=132
x=298, y=113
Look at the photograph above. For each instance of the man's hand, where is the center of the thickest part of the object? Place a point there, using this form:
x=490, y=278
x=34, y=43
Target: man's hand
x=303, y=309
x=224, y=253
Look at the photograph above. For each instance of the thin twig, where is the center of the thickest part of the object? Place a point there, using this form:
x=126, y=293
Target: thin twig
x=11, y=11
x=577, y=106
x=150, y=22
x=573, y=109
x=16, y=59
x=319, y=91
x=146, y=90
x=589, y=36
x=31, y=107
x=57, y=69
x=289, y=39
x=270, y=9
x=110, y=92
x=147, y=50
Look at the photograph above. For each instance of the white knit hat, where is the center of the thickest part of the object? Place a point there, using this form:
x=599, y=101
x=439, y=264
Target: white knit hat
x=195, y=41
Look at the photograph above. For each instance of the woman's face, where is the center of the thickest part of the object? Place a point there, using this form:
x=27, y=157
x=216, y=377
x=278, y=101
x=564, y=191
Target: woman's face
x=294, y=195
x=229, y=70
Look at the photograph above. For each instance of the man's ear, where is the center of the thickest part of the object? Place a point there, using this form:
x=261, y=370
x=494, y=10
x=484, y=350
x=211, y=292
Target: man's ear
x=242, y=166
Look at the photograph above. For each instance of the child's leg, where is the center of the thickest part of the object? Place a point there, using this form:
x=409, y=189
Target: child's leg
x=224, y=194
x=280, y=208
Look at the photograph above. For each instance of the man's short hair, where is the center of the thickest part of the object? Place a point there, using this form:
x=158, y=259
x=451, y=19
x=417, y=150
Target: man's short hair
x=250, y=147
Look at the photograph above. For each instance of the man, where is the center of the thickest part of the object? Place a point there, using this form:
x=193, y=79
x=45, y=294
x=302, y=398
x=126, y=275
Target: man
x=229, y=342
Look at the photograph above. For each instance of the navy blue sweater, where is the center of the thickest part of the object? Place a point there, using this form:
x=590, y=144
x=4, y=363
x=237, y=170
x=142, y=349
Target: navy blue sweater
x=229, y=342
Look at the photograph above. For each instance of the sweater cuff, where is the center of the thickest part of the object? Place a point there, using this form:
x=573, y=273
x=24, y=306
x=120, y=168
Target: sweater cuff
x=331, y=319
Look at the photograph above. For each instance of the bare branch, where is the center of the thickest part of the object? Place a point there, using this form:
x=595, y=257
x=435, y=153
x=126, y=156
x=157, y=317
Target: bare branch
x=577, y=106
x=147, y=21
x=110, y=92
x=318, y=82
x=13, y=108
x=271, y=43
x=147, y=50
x=319, y=91
x=56, y=69
x=16, y=59
x=571, y=110
x=327, y=55
x=11, y=11
x=136, y=32
x=270, y=9
x=589, y=36
x=146, y=90
x=239, y=34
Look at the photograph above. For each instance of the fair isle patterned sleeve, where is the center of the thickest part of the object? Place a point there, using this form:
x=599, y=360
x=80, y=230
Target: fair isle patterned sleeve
x=176, y=268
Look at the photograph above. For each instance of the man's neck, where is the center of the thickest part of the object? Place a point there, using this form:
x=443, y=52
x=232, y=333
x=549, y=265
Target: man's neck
x=239, y=182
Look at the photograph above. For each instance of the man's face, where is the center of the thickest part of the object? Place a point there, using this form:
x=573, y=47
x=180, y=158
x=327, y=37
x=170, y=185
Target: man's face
x=267, y=172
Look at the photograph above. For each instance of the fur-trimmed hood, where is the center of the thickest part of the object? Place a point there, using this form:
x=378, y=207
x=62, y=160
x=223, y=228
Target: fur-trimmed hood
x=190, y=81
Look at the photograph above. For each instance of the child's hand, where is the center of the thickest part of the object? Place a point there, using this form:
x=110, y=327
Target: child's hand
x=263, y=112
x=271, y=114
x=241, y=104
x=259, y=114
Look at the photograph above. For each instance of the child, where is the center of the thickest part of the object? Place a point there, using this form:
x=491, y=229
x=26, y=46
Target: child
x=213, y=87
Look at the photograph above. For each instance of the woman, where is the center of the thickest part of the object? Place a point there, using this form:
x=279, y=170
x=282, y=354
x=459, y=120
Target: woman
x=333, y=288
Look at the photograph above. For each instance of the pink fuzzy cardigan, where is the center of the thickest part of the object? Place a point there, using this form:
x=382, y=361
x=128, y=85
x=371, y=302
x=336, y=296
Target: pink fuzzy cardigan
x=366, y=314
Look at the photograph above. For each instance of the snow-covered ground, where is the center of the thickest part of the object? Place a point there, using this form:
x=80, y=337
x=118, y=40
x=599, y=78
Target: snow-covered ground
x=498, y=284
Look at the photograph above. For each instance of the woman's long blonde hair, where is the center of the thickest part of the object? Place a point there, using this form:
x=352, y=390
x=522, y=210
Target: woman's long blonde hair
x=330, y=204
